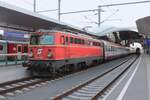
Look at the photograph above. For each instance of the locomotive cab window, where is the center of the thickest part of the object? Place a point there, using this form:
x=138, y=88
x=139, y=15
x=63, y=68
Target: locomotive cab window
x=46, y=39
x=42, y=40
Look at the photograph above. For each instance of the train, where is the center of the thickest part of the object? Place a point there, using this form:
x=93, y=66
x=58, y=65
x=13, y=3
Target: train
x=13, y=43
x=52, y=52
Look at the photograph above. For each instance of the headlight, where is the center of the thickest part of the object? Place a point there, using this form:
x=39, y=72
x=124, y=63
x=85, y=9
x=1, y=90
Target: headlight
x=31, y=55
x=49, y=54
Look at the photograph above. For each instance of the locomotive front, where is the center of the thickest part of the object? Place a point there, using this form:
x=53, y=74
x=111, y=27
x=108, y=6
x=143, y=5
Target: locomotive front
x=40, y=47
x=41, y=52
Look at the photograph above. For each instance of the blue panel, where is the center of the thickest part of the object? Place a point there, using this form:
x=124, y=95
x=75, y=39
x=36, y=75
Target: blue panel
x=15, y=36
x=147, y=42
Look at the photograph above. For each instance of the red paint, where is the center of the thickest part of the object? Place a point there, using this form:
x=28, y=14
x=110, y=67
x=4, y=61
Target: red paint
x=65, y=50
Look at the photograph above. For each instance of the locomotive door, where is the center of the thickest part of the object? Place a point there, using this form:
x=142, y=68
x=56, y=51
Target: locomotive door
x=67, y=48
x=64, y=41
x=19, y=51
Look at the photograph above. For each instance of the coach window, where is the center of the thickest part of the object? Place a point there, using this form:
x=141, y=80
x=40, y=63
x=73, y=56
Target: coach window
x=93, y=43
x=79, y=41
x=62, y=40
x=97, y=44
x=89, y=43
x=100, y=44
x=1, y=47
x=108, y=48
x=82, y=41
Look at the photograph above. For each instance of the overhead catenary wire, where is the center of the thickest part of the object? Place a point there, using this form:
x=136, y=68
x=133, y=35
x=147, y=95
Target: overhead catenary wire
x=127, y=3
x=108, y=5
x=34, y=5
x=42, y=11
x=81, y=11
x=107, y=18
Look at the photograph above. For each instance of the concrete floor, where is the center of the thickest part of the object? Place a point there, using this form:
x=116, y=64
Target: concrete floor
x=14, y=72
x=134, y=85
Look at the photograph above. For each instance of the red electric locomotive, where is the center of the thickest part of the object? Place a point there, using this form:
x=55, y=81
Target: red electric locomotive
x=57, y=51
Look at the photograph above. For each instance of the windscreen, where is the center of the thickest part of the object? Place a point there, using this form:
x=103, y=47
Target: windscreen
x=42, y=40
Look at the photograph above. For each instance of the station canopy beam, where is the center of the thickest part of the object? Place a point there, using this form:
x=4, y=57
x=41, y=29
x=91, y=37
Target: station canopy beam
x=11, y=16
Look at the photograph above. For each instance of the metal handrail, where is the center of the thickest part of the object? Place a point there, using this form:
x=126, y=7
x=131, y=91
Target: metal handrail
x=15, y=59
x=14, y=54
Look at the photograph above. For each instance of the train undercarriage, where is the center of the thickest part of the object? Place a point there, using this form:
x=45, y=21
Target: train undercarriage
x=51, y=67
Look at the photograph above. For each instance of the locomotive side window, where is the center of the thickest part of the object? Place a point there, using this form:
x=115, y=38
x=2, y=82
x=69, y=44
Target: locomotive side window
x=67, y=40
x=34, y=40
x=76, y=40
x=1, y=47
x=71, y=39
x=62, y=39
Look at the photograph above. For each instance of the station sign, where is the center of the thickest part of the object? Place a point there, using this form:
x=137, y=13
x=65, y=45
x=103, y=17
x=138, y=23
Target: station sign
x=147, y=42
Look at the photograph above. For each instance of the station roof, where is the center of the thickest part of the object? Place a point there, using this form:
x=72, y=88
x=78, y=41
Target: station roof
x=143, y=25
x=124, y=33
x=13, y=15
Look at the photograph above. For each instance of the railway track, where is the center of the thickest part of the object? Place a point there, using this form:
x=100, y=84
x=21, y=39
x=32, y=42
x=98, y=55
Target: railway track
x=94, y=88
x=18, y=86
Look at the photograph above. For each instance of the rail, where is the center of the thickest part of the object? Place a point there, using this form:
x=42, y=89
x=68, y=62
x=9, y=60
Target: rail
x=21, y=84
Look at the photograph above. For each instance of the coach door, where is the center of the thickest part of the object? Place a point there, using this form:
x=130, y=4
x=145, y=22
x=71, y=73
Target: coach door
x=19, y=51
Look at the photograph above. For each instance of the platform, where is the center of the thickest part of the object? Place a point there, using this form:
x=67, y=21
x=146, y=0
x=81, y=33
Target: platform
x=133, y=85
x=13, y=72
